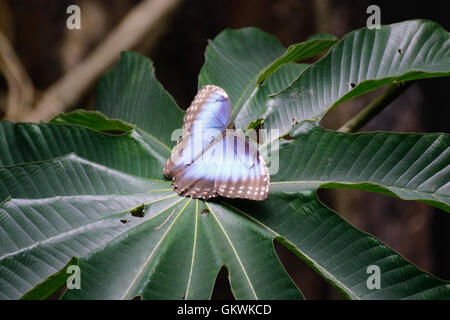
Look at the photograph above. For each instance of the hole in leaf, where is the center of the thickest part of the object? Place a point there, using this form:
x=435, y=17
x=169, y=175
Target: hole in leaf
x=205, y=211
x=222, y=288
x=124, y=221
x=336, y=117
x=256, y=125
x=138, y=211
x=353, y=85
x=400, y=51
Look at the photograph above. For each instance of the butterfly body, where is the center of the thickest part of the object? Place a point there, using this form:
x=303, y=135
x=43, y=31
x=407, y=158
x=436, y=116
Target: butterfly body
x=211, y=159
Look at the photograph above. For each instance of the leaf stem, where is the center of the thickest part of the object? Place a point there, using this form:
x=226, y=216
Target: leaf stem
x=375, y=107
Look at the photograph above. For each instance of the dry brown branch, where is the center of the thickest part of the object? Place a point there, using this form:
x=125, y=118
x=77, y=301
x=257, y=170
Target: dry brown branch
x=20, y=86
x=145, y=18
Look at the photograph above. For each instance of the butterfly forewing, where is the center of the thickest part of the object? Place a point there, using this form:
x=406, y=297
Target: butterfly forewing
x=208, y=116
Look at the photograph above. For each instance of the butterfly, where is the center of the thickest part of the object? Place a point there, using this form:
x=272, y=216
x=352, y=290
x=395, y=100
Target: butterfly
x=211, y=158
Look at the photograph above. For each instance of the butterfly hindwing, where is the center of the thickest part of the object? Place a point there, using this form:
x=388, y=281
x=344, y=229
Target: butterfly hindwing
x=232, y=167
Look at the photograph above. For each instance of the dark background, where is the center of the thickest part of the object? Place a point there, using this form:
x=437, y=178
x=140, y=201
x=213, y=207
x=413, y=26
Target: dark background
x=47, y=50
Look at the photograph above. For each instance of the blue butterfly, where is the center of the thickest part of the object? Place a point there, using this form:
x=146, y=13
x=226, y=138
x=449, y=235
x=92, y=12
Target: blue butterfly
x=211, y=159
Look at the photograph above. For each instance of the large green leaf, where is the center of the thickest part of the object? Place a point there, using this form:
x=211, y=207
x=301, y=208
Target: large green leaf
x=239, y=60
x=27, y=143
x=409, y=166
x=58, y=208
x=130, y=92
x=176, y=249
x=91, y=188
x=361, y=62
x=338, y=251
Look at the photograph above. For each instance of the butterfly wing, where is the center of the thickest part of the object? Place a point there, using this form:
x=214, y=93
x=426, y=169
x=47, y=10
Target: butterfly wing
x=231, y=167
x=207, y=117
